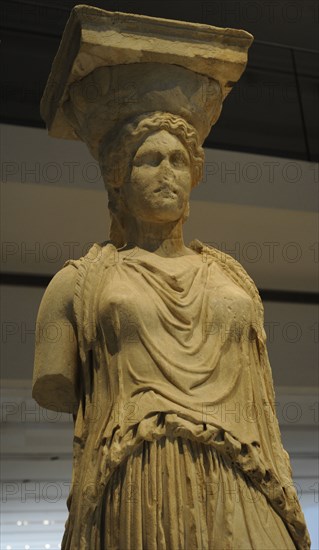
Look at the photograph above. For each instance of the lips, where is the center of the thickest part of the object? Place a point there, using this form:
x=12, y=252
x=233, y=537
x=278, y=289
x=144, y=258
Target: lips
x=165, y=189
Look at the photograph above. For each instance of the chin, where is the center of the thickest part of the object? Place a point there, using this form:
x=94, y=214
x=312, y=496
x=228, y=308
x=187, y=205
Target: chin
x=161, y=215
x=167, y=217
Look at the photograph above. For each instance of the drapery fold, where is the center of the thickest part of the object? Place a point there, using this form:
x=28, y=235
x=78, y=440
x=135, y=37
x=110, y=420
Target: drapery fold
x=224, y=401
x=176, y=493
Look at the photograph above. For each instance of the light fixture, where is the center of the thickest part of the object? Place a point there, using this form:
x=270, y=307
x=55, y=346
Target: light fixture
x=19, y=523
x=46, y=522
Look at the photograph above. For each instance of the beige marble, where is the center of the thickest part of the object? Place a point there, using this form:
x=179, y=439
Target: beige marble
x=96, y=38
x=162, y=353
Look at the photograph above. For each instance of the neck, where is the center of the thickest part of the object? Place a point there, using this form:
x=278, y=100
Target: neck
x=164, y=239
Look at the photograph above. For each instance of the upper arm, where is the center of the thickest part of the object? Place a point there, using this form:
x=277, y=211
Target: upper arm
x=55, y=375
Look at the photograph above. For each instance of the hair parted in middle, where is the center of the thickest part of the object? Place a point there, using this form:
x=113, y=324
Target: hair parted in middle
x=117, y=151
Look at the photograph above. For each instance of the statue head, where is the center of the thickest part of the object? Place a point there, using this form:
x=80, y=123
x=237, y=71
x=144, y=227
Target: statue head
x=149, y=169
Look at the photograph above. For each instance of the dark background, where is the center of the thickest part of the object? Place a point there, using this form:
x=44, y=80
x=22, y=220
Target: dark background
x=273, y=110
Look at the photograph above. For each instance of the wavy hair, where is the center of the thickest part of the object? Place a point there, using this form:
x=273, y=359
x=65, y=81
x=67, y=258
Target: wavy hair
x=117, y=151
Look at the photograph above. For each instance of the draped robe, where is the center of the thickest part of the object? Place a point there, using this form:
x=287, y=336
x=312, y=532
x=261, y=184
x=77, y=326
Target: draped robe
x=176, y=349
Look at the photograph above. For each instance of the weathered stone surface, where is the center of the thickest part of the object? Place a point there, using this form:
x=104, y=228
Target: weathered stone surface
x=161, y=352
x=101, y=103
x=96, y=38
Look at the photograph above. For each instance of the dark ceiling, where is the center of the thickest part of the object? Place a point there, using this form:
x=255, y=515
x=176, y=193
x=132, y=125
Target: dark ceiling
x=273, y=110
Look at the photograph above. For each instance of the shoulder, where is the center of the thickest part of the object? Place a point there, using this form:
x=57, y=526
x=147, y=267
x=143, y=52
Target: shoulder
x=95, y=256
x=63, y=285
x=77, y=285
x=227, y=262
x=58, y=296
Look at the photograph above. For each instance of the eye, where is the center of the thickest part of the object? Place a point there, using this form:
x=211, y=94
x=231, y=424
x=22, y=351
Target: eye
x=151, y=158
x=179, y=159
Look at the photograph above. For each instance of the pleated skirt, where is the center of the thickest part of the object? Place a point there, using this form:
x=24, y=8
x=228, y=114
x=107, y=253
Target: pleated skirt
x=178, y=494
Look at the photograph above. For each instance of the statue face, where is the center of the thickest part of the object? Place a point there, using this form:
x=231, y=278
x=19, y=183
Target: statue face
x=161, y=181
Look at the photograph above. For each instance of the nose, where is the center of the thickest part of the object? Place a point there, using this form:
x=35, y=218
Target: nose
x=165, y=166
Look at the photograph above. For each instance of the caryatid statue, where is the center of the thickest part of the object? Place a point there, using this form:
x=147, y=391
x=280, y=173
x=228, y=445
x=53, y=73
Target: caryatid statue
x=176, y=440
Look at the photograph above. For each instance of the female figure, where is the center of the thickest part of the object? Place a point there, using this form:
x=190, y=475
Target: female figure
x=163, y=361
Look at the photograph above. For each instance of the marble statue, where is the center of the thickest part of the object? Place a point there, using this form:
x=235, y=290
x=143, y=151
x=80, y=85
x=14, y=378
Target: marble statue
x=162, y=358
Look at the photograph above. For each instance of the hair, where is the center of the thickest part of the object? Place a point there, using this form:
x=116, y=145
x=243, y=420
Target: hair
x=117, y=151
